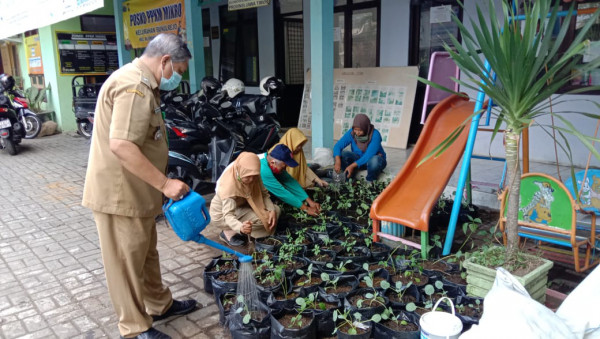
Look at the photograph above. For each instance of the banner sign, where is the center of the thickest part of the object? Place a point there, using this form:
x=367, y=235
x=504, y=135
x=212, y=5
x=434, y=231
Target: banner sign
x=18, y=17
x=33, y=52
x=84, y=53
x=234, y=5
x=143, y=20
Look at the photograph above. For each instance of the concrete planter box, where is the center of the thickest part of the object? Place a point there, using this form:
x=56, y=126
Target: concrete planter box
x=480, y=279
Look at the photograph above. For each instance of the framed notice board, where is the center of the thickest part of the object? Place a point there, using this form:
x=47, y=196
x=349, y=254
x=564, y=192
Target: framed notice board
x=385, y=94
x=87, y=53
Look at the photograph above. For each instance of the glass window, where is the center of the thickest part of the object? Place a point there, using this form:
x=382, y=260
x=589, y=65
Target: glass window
x=359, y=48
x=364, y=38
x=338, y=40
x=239, y=45
x=290, y=6
x=208, y=62
x=592, y=52
x=97, y=23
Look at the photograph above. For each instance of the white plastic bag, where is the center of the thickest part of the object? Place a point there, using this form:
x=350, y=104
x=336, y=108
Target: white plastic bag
x=578, y=310
x=323, y=156
x=509, y=312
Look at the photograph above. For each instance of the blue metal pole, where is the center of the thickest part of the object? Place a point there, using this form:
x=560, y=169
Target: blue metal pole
x=195, y=41
x=464, y=170
x=321, y=65
x=122, y=52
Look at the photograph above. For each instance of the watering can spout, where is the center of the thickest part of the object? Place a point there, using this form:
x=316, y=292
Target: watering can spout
x=242, y=257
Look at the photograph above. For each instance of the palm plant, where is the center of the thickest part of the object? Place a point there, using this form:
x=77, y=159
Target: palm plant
x=530, y=67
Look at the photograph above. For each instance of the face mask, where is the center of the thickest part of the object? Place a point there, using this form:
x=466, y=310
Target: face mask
x=171, y=83
x=276, y=170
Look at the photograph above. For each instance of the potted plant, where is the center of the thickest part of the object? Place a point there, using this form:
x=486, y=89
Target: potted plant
x=529, y=66
x=351, y=325
x=390, y=324
x=297, y=323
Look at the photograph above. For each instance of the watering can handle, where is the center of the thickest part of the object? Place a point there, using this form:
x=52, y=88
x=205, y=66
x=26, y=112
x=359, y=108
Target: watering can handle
x=438, y=302
x=167, y=205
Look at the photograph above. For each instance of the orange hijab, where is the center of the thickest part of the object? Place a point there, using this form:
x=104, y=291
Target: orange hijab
x=292, y=139
x=231, y=185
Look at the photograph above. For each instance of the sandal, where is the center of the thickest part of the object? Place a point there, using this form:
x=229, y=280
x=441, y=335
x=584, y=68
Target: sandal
x=235, y=240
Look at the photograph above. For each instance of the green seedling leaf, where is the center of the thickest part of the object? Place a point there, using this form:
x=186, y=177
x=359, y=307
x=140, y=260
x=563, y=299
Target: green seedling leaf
x=429, y=290
x=385, y=285
x=439, y=285
x=376, y=318
x=411, y=307
x=246, y=319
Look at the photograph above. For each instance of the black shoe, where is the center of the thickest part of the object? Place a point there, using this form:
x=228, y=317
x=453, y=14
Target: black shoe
x=236, y=240
x=178, y=308
x=151, y=334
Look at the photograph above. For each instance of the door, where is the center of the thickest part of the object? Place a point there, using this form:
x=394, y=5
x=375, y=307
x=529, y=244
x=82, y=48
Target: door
x=289, y=59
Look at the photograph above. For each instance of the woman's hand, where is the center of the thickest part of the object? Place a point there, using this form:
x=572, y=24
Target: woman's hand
x=348, y=171
x=272, y=220
x=337, y=167
x=313, y=204
x=246, y=227
x=321, y=182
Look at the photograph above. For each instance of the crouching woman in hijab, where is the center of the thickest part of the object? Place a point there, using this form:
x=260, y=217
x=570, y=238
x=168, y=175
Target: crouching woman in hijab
x=241, y=205
x=365, y=150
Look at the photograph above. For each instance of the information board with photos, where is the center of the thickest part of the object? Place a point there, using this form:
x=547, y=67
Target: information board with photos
x=385, y=94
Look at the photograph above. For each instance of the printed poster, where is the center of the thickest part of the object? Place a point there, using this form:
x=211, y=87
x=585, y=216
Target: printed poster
x=33, y=52
x=384, y=94
x=143, y=20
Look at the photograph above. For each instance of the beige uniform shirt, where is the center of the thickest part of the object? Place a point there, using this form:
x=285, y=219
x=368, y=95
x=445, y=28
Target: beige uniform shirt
x=128, y=108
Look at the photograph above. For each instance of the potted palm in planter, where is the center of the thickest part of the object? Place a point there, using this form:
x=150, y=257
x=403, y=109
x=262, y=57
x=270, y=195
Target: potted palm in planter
x=530, y=64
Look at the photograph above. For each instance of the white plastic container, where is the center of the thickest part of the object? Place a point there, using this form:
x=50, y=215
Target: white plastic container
x=440, y=325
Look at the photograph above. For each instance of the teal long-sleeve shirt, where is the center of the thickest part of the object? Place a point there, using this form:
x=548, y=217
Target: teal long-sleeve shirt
x=282, y=185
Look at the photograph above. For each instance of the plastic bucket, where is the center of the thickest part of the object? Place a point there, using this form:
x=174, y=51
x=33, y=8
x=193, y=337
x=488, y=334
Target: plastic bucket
x=440, y=325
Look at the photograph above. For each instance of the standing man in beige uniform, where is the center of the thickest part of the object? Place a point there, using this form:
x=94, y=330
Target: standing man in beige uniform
x=125, y=182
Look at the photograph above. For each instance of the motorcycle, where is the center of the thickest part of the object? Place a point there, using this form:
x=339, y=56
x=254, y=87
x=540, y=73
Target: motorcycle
x=85, y=96
x=11, y=130
x=32, y=123
x=230, y=129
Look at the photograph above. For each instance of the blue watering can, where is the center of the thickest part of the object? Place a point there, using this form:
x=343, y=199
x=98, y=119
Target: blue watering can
x=189, y=216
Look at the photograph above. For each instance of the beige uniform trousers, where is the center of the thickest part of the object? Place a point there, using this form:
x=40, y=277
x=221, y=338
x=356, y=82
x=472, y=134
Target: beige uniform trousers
x=132, y=270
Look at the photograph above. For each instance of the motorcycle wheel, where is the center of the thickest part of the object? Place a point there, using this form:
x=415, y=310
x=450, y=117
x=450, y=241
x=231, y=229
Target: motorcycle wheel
x=33, y=126
x=84, y=128
x=10, y=146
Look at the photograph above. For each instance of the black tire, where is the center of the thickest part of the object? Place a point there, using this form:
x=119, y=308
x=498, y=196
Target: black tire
x=84, y=128
x=33, y=126
x=10, y=146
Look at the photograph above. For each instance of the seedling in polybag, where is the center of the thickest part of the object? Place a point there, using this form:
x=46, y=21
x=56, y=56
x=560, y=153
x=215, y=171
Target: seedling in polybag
x=330, y=283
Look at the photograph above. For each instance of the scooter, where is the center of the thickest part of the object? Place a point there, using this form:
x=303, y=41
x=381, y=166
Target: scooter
x=11, y=130
x=32, y=123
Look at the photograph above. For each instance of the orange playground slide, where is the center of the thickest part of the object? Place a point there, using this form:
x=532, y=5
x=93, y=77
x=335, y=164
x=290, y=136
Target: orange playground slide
x=413, y=193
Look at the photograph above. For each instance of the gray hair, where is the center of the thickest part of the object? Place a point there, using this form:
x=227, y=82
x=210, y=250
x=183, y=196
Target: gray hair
x=168, y=44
